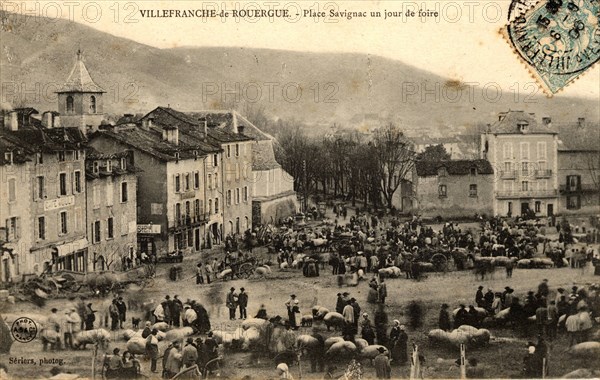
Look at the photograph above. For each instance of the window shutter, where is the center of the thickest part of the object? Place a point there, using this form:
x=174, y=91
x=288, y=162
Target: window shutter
x=578, y=183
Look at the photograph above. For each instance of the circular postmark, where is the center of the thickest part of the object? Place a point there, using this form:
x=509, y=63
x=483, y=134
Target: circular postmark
x=558, y=37
x=24, y=330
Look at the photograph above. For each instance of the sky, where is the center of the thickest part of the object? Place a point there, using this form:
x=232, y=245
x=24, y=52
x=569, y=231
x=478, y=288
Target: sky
x=462, y=42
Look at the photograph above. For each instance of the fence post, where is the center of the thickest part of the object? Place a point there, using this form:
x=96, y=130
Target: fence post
x=463, y=364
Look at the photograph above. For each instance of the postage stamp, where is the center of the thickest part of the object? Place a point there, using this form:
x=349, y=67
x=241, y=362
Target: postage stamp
x=558, y=40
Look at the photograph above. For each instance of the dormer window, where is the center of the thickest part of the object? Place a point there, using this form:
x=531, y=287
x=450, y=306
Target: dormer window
x=8, y=157
x=61, y=156
x=123, y=163
x=442, y=172
x=195, y=154
x=109, y=166
x=473, y=171
x=96, y=167
x=177, y=155
x=70, y=107
x=523, y=127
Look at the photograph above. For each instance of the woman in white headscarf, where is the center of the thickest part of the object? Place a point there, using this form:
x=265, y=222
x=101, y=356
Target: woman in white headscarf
x=284, y=372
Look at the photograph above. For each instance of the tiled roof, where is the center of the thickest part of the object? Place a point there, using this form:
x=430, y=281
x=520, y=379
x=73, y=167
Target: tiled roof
x=509, y=121
x=453, y=167
x=229, y=121
x=80, y=80
x=263, y=157
x=35, y=138
x=578, y=136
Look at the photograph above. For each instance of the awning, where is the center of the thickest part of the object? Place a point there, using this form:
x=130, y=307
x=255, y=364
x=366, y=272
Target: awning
x=74, y=246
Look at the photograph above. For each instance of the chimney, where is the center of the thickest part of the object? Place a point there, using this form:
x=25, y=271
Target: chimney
x=11, y=121
x=240, y=129
x=47, y=119
x=580, y=122
x=204, y=126
x=546, y=121
x=171, y=134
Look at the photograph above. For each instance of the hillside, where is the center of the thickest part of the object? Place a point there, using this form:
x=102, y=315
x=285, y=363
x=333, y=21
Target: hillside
x=137, y=77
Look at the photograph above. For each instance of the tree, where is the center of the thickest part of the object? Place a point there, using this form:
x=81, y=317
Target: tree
x=434, y=153
x=395, y=156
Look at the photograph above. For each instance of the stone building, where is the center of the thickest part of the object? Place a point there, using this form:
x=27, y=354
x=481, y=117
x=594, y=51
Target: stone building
x=523, y=154
x=454, y=188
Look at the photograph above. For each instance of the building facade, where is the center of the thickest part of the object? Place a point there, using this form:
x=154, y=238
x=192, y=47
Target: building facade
x=523, y=154
x=579, y=167
x=455, y=188
x=111, y=209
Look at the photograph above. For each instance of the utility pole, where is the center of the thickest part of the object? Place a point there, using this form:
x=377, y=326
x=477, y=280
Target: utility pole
x=305, y=186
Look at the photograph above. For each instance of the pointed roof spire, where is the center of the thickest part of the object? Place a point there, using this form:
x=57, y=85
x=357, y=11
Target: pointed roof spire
x=80, y=80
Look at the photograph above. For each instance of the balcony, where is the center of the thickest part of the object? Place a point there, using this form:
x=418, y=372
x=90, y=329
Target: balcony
x=546, y=173
x=526, y=194
x=188, y=221
x=508, y=174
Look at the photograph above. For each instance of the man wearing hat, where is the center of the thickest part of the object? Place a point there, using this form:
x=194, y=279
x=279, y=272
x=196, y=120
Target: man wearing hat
x=73, y=326
x=147, y=330
x=90, y=317
x=383, y=370
x=243, y=303
x=173, y=363
x=231, y=303
x=479, y=298
x=189, y=354
x=289, y=304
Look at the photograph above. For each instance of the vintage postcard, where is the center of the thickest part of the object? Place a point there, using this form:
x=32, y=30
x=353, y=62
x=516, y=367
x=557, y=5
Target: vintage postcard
x=299, y=189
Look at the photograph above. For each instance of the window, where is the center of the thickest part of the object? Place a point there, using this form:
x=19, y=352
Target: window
x=39, y=158
x=197, y=208
x=188, y=210
x=538, y=206
x=473, y=171
x=573, y=202
x=41, y=228
x=92, y=104
x=110, y=227
x=196, y=180
x=523, y=126
x=245, y=194
x=210, y=207
x=62, y=184
x=77, y=181
x=237, y=196
x=216, y=181
x=61, y=156
x=63, y=223
x=237, y=150
x=525, y=151
x=543, y=185
x=209, y=181
x=8, y=157
x=228, y=198
x=96, y=167
x=228, y=151
x=442, y=190
x=542, y=166
x=508, y=167
x=524, y=186
x=507, y=186
x=472, y=190
x=70, y=107
x=177, y=212
x=215, y=160
x=187, y=181
x=541, y=150
x=509, y=213
x=573, y=182
x=97, y=231
x=76, y=155
x=12, y=189
x=216, y=205
x=123, y=163
x=524, y=168
x=442, y=172
x=124, y=195
x=508, y=151
x=177, y=183
x=41, y=188
x=12, y=228
x=237, y=225
x=109, y=166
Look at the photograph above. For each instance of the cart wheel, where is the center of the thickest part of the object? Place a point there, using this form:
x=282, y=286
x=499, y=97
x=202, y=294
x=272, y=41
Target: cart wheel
x=245, y=270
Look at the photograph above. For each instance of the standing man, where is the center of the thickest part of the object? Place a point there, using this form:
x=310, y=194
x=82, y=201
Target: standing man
x=243, y=303
x=152, y=349
x=73, y=325
x=479, y=298
x=113, y=310
x=348, y=314
x=383, y=370
x=189, y=354
x=54, y=323
x=177, y=308
x=122, y=307
x=173, y=364
x=382, y=290
x=90, y=317
x=208, y=272
x=231, y=303
x=199, y=270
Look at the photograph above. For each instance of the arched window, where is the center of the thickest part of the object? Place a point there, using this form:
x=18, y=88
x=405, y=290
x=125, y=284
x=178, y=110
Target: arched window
x=92, y=104
x=69, y=103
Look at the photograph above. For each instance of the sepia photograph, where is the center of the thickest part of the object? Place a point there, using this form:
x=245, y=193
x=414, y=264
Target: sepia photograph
x=353, y=189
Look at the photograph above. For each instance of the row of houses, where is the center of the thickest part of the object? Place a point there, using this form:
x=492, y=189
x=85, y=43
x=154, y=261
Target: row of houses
x=525, y=167
x=83, y=195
